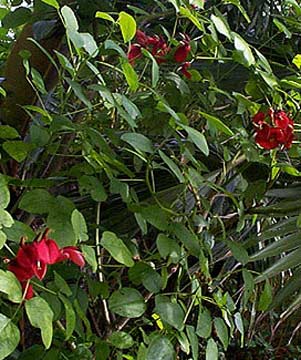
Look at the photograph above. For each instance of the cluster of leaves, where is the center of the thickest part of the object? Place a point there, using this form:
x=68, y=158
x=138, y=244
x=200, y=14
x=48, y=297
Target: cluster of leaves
x=191, y=231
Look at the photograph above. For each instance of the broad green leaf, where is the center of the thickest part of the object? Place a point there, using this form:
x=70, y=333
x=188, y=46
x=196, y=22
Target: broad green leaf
x=52, y=3
x=61, y=284
x=194, y=341
x=5, y=219
x=10, y=285
x=4, y=193
x=217, y=123
x=40, y=316
x=138, y=141
x=38, y=81
x=2, y=91
x=130, y=76
x=239, y=325
x=3, y=239
x=188, y=14
x=17, y=230
x=240, y=8
x=70, y=316
x=211, y=350
x=238, y=251
x=198, y=139
x=117, y=249
x=222, y=331
x=188, y=238
x=104, y=15
x=78, y=91
x=127, y=25
x=155, y=67
x=142, y=273
x=9, y=337
x=127, y=302
x=70, y=20
x=160, y=348
x=89, y=44
x=172, y=166
x=170, y=312
x=204, y=324
x=39, y=136
x=37, y=201
x=8, y=132
x=15, y=18
x=79, y=226
x=221, y=25
x=121, y=340
x=18, y=150
x=296, y=60
x=157, y=217
x=266, y=297
x=90, y=257
x=243, y=50
x=168, y=247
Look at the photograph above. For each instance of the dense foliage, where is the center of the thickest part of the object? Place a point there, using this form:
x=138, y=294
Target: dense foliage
x=155, y=145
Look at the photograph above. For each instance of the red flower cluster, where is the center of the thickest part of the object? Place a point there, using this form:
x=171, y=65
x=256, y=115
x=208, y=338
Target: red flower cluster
x=32, y=260
x=279, y=132
x=159, y=48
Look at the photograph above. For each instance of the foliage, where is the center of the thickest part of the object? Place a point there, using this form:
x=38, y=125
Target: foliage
x=129, y=132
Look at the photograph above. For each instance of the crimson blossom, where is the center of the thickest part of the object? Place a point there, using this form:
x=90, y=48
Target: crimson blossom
x=277, y=132
x=32, y=260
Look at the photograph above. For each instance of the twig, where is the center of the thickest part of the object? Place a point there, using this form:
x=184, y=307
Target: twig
x=99, y=259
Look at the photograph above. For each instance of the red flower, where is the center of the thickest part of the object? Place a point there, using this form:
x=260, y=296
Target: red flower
x=184, y=71
x=142, y=38
x=182, y=52
x=32, y=260
x=134, y=53
x=278, y=133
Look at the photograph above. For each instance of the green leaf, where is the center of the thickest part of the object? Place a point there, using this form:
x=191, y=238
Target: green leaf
x=155, y=67
x=70, y=316
x=266, y=297
x=221, y=331
x=78, y=91
x=121, y=340
x=9, y=337
x=145, y=274
x=198, y=139
x=4, y=193
x=172, y=166
x=155, y=216
x=243, y=50
x=39, y=136
x=204, y=324
x=249, y=285
x=52, y=3
x=5, y=219
x=127, y=302
x=16, y=18
x=61, y=284
x=37, y=201
x=18, y=150
x=8, y=132
x=104, y=15
x=296, y=60
x=79, y=226
x=194, y=341
x=138, y=141
x=211, y=350
x=130, y=76
x=282, y=28
x=40, y=316
x=238, y=251
x=127, y=25
x=10, y=285
x=70, y=20
x=160, y=348
x=168, y=247
x=188, y=238
x=217, y=123
x=188, y=14
x=3, y=239
x=117, y=249
x=171, y=313
x=239, y=325
x=221, y=25
x=17, y=230
x=89, y=255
